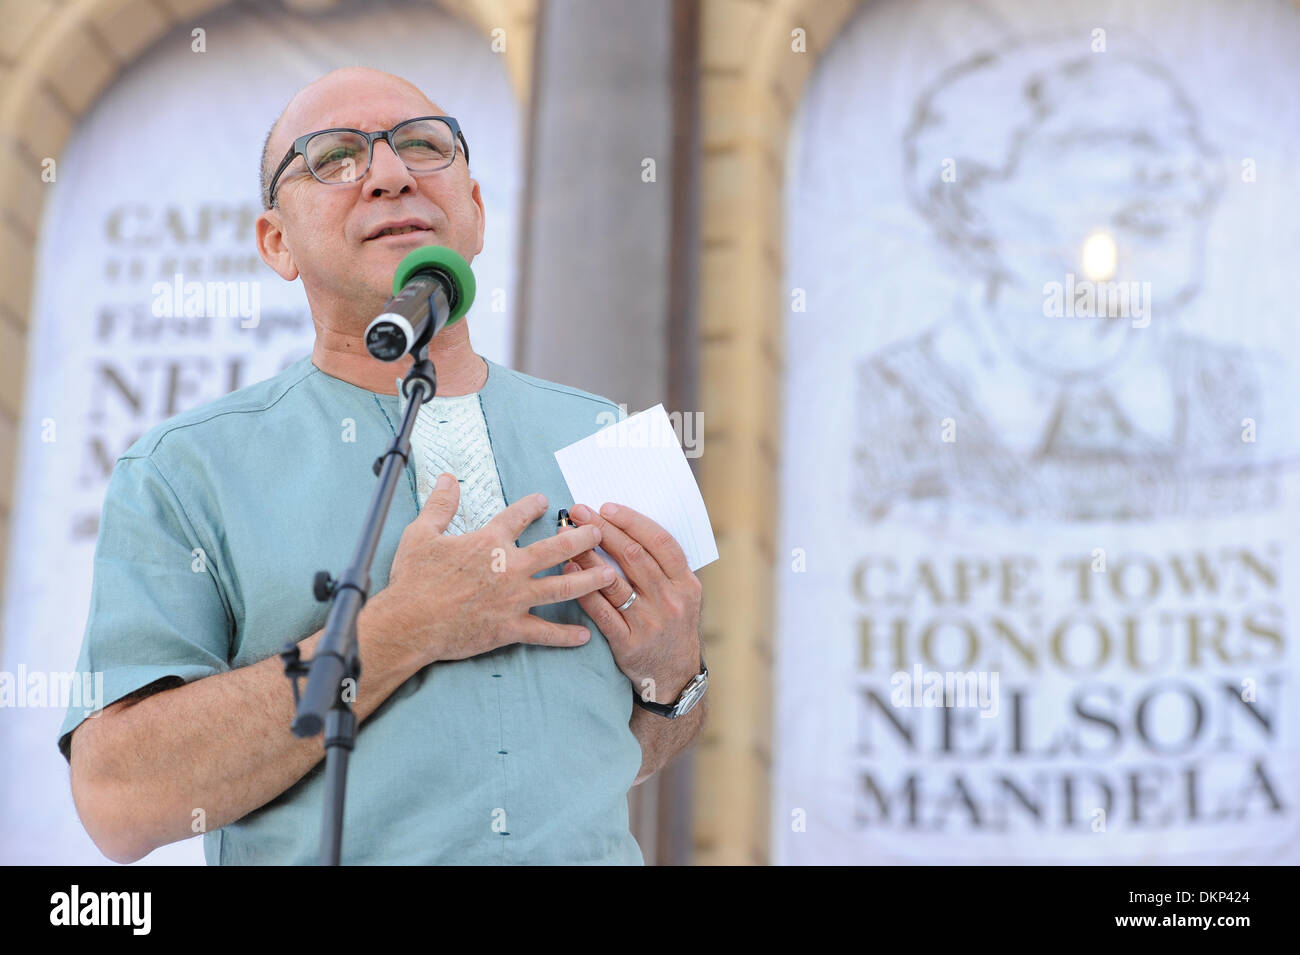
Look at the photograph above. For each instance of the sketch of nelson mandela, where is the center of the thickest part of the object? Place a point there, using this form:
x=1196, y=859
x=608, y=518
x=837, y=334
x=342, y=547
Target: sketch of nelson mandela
x=1111, y=417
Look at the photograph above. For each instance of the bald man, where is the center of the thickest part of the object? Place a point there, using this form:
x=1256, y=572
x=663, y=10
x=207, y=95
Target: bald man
x=500, y=718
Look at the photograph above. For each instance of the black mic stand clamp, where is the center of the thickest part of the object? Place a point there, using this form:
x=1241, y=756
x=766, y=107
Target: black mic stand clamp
x=333, y=674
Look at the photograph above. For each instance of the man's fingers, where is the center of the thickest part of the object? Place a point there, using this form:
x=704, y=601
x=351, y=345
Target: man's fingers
x=642, y=570
x=618, y=589
x=546, y=633
x=586, y=560
x=557, y=588
x=602, y=608
x=657, y=542
x=568, y=542
x=516, y=518
x=440, y=507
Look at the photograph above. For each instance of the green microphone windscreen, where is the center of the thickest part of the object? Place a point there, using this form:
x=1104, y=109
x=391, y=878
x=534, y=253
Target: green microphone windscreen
x=450, y=263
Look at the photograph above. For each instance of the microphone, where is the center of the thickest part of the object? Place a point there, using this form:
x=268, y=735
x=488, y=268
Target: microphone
x=432, y=288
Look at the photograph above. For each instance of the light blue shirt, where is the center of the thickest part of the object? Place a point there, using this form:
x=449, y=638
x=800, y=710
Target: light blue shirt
x=213, y=526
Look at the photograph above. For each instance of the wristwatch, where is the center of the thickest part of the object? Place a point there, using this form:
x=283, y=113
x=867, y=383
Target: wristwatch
x=693, y=693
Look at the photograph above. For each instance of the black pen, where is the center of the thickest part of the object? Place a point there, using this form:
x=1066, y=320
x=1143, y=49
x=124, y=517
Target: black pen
x=562, y=520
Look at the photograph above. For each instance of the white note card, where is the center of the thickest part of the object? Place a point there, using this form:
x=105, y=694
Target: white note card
x=639, y=462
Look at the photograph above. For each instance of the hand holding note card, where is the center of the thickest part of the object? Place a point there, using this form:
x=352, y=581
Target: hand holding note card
x=639, y=462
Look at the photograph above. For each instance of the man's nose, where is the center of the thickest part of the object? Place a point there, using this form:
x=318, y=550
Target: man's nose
x=387, y=174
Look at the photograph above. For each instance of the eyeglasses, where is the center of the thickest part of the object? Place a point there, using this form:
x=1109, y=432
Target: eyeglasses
x=337, y=156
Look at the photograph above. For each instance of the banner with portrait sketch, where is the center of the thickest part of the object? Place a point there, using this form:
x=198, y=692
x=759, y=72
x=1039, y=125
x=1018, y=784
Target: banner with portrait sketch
x=151, y=299
x=1040, y=570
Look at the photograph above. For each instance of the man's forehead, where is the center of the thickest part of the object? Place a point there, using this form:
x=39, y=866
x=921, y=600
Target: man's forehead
x=358, y=116
x=365, y=116
x=361, y=100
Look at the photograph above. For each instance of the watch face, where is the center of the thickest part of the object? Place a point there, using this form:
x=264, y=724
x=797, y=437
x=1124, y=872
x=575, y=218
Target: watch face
x=692, y=694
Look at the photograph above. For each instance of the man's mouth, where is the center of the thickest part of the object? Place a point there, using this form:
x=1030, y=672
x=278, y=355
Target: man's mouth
x=405, y=229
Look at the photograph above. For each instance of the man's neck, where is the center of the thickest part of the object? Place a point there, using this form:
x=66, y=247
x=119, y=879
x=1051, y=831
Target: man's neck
x=460, y=370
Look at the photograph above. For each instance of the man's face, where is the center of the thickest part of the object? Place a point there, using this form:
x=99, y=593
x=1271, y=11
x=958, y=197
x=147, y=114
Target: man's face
x=1140, y=191
x=327, y=233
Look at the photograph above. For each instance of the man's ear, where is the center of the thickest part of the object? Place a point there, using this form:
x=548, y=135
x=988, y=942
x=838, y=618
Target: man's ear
x=477, y=196
x=272, y=247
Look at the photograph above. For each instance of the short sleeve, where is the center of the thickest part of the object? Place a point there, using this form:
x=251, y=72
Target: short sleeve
x=157, y=608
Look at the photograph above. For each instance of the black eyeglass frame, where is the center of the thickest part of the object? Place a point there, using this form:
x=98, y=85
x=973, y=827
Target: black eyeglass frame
x=299, y=148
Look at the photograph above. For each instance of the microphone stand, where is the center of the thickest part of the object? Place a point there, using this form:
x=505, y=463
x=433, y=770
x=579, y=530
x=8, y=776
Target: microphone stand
x=333, y=673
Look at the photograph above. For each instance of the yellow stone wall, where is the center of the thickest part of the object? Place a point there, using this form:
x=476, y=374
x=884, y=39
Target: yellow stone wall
x=752, y=79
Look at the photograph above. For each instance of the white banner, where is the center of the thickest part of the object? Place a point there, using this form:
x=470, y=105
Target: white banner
x=1039, y=573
